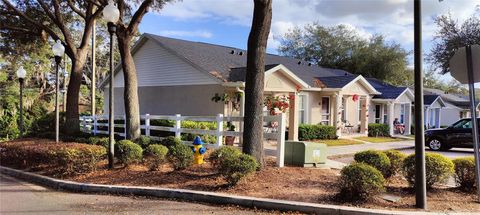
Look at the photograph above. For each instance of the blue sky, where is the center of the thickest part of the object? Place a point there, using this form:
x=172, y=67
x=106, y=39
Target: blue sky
x=227, y=22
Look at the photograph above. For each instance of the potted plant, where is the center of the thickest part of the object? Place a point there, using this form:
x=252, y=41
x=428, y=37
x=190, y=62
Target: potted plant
x=229, y=140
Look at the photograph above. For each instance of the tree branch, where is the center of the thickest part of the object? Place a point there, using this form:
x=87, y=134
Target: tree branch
x=71, y=4
x=33, y=22
x=137, y=17
x=69, y=41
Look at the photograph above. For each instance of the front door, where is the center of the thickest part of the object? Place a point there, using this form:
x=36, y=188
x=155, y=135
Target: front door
x=325, y=111
x=378, y=114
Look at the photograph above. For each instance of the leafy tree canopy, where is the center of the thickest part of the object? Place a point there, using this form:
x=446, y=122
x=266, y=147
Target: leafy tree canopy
x=340, y=47
x=450, y=36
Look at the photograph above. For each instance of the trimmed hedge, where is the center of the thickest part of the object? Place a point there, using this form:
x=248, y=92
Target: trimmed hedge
x=312, y=132
x=128, y=152
x=234, y=168
x=181, y=156
x=376, y=159
x=155, y=155
x=396, y=161
x=438, y=169
x=465, y=172
x=378, y=130
x=360, y=181
x=61, y=158
x=144, y=141
x=170, y=141
x=223, y=153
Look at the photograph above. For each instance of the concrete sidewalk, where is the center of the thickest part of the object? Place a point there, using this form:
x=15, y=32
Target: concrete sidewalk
x=352, y=149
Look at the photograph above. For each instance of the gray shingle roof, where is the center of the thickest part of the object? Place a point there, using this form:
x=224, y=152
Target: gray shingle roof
x=219, y=61
x=429, y=99
x=336, y=81
x=388, y=91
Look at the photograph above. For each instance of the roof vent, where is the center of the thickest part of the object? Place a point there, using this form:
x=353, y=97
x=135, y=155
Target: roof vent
x=346, y=74
x=309, y=64
x=232, y=52
x=299, y=62
x=240, y=53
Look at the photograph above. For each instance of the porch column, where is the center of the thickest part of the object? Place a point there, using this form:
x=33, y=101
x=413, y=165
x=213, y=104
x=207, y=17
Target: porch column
x=364, y=104
x=408, y=118
x=337, y=114
x=293, y=118
x=390, y=118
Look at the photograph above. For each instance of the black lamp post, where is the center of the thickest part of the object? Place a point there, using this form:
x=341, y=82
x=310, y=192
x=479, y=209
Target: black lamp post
x=111, y=15
x=21, y=73
x=58, y=51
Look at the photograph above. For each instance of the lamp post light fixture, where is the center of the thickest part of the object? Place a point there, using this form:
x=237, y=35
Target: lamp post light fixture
x=21, y=73
x=111, y=15
x=58, y=51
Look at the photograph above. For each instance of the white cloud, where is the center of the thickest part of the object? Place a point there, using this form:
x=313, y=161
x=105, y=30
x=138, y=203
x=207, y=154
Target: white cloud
x=199, y=33
x=392, y=18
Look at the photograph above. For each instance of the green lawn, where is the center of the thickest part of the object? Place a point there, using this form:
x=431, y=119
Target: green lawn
x=338, y=142
x=380, y=139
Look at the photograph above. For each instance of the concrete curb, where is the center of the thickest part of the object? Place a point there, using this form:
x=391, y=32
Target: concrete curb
x=199, y=196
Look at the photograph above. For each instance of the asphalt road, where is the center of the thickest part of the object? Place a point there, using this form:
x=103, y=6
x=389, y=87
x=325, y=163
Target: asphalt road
x=18, y=197
x=452, y=153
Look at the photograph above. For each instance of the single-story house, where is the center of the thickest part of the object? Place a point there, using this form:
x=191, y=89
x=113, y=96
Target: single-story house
x=456, y=106
x=393, y=103
x=433, y=104
x=181, y=77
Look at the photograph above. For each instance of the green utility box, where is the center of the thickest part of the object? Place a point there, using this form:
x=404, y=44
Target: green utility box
x=306, y=154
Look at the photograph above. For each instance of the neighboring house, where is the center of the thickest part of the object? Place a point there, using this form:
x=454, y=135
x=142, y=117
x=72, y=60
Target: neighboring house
x=393, y=103
x=456, y=106
x=433, y=105
x=181, y=77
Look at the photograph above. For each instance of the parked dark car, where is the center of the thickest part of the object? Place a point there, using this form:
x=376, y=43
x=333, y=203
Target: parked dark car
x=459, y=135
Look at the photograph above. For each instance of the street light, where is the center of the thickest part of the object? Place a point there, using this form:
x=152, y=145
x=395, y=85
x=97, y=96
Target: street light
x=58, y=51
x=111, y=15
x=21, y=73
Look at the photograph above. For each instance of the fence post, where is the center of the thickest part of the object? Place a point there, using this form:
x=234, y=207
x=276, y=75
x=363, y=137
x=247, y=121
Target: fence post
x=281, y=141
x=178, y=125
x=219, y=130
x=147, y=124
x=84, y=124
x=95, y=125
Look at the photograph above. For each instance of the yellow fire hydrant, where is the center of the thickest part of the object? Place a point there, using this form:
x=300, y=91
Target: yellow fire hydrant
x=198, y=150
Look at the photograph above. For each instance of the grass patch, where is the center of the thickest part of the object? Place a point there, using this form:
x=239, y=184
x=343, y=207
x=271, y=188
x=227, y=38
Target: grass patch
x=338, y=142
x=380, y=139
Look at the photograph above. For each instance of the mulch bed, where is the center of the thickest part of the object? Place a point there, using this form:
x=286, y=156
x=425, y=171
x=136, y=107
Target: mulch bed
x=288, y=183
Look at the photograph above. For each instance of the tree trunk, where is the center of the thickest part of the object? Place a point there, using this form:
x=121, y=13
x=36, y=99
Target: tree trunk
x=72, y=123
x=130, y=95
x=257, y=43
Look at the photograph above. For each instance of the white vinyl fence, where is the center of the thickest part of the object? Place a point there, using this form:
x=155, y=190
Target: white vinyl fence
x=274, y=128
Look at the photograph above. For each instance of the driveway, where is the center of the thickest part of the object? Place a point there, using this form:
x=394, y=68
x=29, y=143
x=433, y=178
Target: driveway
x=18, y=197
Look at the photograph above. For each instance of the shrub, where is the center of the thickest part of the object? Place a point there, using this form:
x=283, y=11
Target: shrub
x=61, y=158
x=170, y=141
x=155, y=155
x=181, y=156
x=128, y=152
x=396, y=161
x=93, y=140
x=376, y=129
x=465, y=172
x=78, y=159
x=438, y=168
x=360, y=181
x=311, y=132
x=144, y=141
x=199, y=125
x=81, y=140
x=104, y=141
x=234, y=168
x=222, y=153
x=376, y=159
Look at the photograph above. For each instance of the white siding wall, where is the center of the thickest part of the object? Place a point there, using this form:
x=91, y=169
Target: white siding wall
x=449, y=115
x=158, y=67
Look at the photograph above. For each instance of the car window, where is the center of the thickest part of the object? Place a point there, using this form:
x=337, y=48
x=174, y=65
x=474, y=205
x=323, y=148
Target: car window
x=463, y=124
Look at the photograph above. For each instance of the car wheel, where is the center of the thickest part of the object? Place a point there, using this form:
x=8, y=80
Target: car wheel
x=435, y=145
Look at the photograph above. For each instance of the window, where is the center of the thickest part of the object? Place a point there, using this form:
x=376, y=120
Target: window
x=385, y=114
x=377, y=114
x=302, y=104
x=325, y=112
x=402, y=113
x=465, y=123
x=359, y=108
